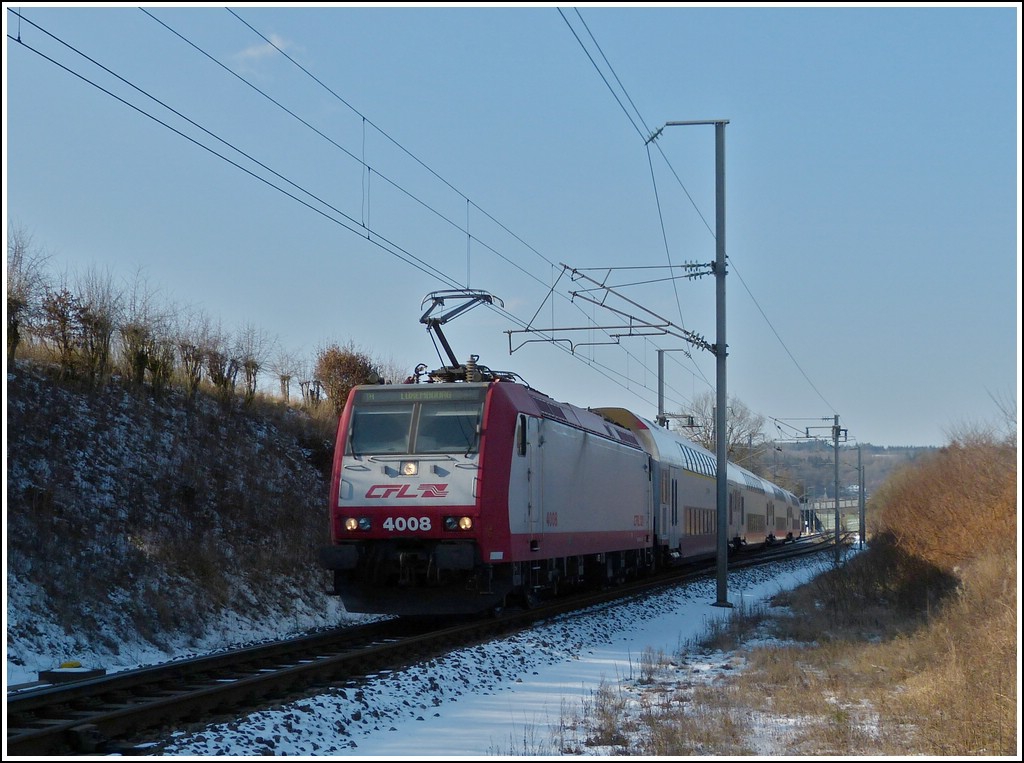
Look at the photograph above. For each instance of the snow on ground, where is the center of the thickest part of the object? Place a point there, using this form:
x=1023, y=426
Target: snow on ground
x=508, y=697
x=36, y=643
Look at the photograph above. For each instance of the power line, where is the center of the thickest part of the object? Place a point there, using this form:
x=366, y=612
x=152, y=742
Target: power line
x=648, y=140
x=366, y=168
x=338, y=216
x=600, y=73
x=618, y=80
x=412, y=156
x=397, y=251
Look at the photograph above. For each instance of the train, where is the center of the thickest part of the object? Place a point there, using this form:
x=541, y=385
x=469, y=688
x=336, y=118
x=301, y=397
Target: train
x=472, y=491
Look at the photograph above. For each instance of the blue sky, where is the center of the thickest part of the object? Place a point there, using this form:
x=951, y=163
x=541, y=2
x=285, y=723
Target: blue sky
x=872, y=187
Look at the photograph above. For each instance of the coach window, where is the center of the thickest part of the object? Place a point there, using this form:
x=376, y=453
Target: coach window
x=675, y=503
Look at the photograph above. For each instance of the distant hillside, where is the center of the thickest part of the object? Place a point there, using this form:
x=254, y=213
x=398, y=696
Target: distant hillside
x=811, y=464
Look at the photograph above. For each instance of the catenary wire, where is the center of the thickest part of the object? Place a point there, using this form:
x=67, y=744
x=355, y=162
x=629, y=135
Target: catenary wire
x=668, y=253
x=696, y=208
x=382, y=242
x=373, y=237
x=416, y=159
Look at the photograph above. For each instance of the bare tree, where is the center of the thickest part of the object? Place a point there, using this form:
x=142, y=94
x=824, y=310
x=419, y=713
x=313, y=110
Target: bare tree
x=222, y=364
x=143, y=322
x=309, y=387
x=252, y=348
x=160, y=361
x=59, y=324
x=1006, y=405
x=192, y=338
x=26, y=285
x=98, y=308
x=390, y=370
x=286, y=365
x=744, y=427
x=312, y=392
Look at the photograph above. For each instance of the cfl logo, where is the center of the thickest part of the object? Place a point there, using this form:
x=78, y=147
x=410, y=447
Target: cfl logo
x=423, y=490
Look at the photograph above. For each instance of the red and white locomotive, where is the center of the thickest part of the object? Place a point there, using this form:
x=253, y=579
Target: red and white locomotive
x=460, y=496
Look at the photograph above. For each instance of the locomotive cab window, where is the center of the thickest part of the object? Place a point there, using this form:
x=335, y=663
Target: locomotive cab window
x=447, y=428
x=381, y=429
x=411, y=421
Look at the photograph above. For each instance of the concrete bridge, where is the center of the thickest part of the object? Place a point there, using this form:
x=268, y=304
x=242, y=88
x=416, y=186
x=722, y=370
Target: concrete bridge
x=820, y=516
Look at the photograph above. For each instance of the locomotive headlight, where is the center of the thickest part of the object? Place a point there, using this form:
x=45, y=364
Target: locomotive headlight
x=351, y=524
x=458, y=523
x=410, y=468
x=364, y=523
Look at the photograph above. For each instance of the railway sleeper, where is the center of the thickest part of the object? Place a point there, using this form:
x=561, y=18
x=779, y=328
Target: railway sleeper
x=86, y=738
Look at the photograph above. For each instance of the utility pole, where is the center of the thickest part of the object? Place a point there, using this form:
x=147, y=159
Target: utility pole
x=837, y=432
x=835, y=440
x=860, y=497
x=720, y=350
x=721, y=450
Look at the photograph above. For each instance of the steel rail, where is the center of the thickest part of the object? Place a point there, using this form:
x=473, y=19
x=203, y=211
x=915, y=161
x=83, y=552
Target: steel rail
x=105, y=714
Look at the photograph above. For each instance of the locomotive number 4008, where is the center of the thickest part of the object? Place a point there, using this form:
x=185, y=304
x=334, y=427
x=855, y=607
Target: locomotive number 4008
x=411, y=524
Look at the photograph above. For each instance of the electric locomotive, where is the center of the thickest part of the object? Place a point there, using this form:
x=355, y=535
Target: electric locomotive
x=453, y=497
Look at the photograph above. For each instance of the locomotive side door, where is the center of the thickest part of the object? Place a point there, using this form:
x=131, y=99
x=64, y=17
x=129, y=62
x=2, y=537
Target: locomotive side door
x=535, y=475
x=659, y=483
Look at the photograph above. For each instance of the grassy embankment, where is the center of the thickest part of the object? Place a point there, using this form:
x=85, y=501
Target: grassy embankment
x=909, y=648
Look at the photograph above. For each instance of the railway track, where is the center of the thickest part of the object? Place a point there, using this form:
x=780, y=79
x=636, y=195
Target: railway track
x=106, y=715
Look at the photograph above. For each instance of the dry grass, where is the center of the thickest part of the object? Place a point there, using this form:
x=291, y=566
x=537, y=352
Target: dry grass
x=908, y=649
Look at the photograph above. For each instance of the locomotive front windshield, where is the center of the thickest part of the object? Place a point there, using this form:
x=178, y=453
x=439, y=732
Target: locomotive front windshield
x=415, y=421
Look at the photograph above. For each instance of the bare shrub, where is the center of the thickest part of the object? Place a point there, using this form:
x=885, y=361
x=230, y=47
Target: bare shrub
x=26, y=285
x=339, y=369
x=727, y=633
x=710, y=722
x=60, y=326
x=529, y=741
x=934, y=509
x=607, y=715
x=652, y=665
